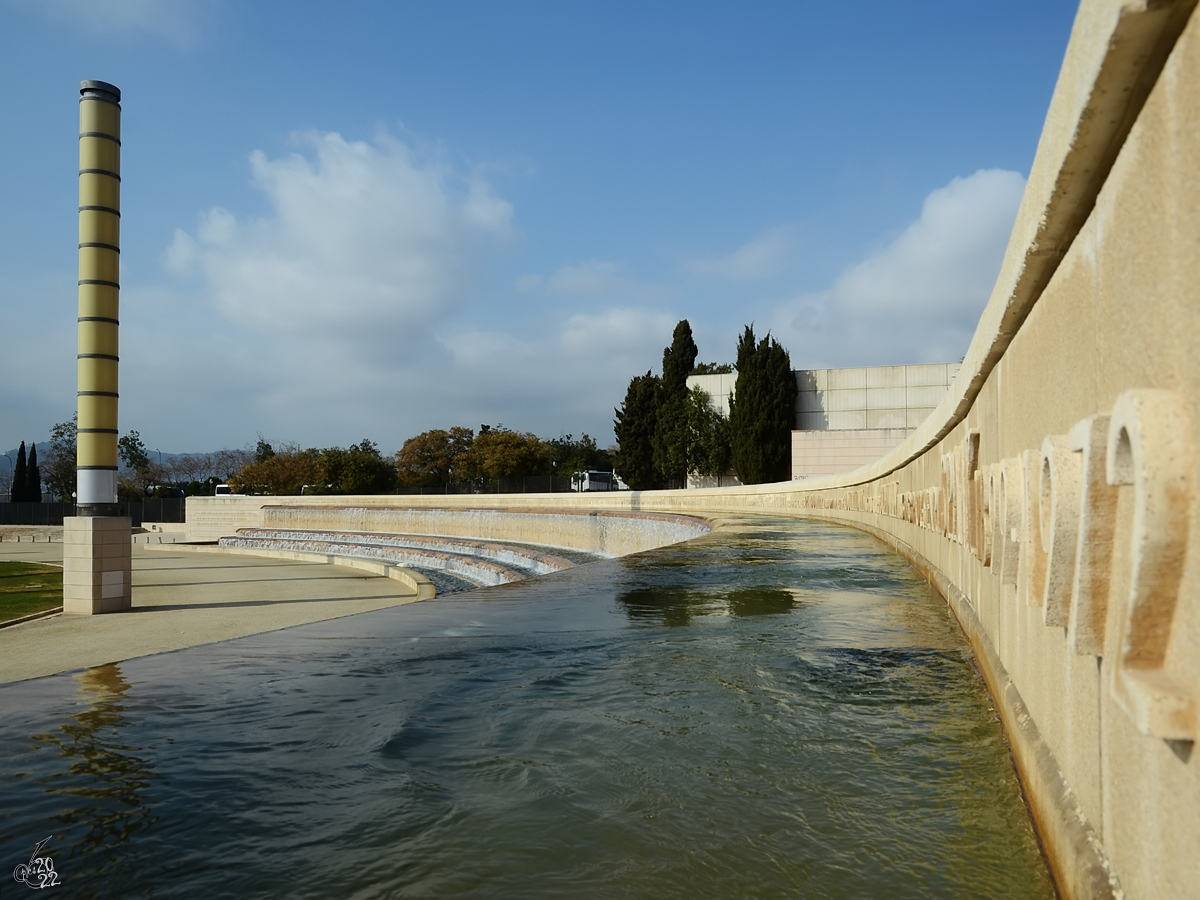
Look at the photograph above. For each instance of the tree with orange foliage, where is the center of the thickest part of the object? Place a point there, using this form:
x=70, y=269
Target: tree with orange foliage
x=502, y=453
x=284, y=473
x=431, y=458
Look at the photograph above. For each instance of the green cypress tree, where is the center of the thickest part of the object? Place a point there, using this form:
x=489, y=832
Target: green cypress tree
x=762, y=410
x=20, y=478
x=781, y=419
x=634, y=428
x=679, y=358
x=745, y=411
x=671, y=428
x=33, y=478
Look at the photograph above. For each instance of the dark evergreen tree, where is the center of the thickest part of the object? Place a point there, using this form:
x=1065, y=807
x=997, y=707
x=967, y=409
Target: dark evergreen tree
x=20, y=482
x=679, y=358
x=671, y=428
x=762, y=410
x=33, y=478
x=634, y=427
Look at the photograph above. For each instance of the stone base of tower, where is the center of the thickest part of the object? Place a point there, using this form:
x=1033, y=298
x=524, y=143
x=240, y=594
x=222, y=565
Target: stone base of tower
x=97, y=564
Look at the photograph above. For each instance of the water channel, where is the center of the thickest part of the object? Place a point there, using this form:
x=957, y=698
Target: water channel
x=777, y=709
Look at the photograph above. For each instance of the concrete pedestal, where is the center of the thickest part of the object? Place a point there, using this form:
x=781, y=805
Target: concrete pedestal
x=97, y=564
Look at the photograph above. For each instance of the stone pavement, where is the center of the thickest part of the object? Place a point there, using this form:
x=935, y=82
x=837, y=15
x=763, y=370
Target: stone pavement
x=183, y=599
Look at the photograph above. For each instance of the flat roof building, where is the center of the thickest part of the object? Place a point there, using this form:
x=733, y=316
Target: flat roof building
x=846, y=418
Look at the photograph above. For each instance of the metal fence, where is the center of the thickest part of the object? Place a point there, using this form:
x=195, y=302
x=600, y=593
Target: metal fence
x=148, y=510
x=521, y=484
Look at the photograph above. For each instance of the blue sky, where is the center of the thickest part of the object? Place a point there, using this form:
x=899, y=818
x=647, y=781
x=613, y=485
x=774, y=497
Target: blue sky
x=371, y=219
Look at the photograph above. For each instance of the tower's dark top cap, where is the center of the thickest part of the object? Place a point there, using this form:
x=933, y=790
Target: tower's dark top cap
x=100, y=87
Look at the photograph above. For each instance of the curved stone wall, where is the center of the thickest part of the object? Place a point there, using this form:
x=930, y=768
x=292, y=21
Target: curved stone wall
x=1052, y=497
x=613, y=532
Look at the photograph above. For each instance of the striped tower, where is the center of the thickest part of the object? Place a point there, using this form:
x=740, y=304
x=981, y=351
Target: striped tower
x=96, y=542
x=99, y=289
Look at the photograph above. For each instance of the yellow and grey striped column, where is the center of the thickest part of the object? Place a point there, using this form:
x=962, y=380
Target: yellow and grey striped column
x=99, y=296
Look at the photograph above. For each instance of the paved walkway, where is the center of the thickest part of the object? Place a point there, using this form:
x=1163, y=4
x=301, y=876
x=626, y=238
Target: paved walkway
x=183, y=599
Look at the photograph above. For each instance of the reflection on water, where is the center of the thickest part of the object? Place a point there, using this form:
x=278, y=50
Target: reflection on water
x=100, y=782
x=672, y=606
x=780, y=709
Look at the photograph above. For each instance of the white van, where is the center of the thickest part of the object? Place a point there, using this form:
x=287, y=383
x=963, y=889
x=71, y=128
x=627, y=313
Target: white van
x=593, y=480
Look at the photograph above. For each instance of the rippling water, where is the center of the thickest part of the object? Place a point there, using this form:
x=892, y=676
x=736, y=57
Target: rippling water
x=778, y=709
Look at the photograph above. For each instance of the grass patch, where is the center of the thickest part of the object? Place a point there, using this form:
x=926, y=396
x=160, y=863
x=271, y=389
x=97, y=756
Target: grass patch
x=28, y=588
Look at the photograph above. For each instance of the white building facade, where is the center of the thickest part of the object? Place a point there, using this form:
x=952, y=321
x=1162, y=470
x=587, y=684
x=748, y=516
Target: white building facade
x=845, y=417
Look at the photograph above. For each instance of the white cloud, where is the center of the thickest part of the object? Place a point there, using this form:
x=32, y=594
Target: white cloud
x=619, y=331
x=364, y=240
x=592, y=280
x=587, y=279
x=613, y=337
x=176, y=21
x=766, y=255
x=574, y=376
x=316, y=321
x=918, y=299
x=335, y=313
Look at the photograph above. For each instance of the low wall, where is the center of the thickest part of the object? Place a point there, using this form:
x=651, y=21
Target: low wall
x=481, y=563
x=572, y=524
x=1052, y=496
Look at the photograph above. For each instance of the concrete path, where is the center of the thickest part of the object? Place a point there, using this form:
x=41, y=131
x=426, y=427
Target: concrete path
x=182, y=599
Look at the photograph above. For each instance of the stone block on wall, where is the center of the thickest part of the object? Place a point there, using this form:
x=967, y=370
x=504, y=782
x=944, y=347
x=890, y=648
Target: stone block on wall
x=847, y=420
x=886, y=377
x=845, y=398
x=887, y=397
x=924, y=396
x=830, y=452
x=916, y=416
x=936, y=374
x=843, y=379
x=887, y=418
